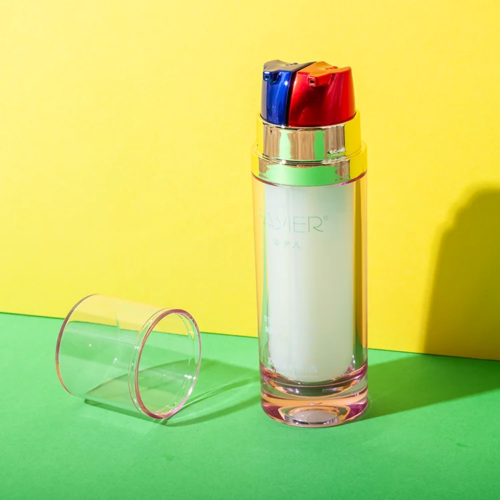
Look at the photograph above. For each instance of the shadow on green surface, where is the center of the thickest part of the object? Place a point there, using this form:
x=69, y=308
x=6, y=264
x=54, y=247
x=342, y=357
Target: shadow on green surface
x=121, y=411
x=418, y=381
x=221, y=389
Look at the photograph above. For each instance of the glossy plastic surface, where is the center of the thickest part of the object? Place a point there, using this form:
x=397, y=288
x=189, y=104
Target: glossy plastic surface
x=277, y=81
x=128, y=355
x=322, y=95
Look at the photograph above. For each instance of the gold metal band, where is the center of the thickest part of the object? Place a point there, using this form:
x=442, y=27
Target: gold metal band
x=309, y=156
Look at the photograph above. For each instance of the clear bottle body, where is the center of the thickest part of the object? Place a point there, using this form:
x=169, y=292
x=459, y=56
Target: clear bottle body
x=311, y=290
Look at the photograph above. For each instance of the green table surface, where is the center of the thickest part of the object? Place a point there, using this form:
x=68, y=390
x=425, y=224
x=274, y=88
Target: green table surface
x=433, y=431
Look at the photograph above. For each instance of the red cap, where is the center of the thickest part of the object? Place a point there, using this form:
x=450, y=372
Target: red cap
x=322, y=95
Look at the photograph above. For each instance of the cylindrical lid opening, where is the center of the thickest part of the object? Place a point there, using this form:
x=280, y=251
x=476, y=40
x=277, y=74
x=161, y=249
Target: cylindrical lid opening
x=165, y=363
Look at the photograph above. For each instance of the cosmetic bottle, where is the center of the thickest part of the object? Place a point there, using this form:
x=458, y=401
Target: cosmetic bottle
x=309, y=182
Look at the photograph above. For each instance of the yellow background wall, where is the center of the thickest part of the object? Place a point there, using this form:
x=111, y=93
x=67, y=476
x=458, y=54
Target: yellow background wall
x=125, y=134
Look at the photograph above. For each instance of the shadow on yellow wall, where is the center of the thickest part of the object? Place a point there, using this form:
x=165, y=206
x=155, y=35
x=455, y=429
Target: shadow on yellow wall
x=464, y=311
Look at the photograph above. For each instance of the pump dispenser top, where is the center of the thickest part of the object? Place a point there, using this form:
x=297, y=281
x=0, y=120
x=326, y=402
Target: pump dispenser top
x=307, y=95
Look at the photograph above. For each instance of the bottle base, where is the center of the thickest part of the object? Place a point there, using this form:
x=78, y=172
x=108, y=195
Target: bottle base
x=315, y=416
x=326, y=405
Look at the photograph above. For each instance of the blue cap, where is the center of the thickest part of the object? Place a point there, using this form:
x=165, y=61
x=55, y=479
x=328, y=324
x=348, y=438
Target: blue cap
x=276, y=90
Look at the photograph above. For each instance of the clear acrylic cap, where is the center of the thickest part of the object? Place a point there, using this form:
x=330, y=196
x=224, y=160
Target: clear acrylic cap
x=129, y=355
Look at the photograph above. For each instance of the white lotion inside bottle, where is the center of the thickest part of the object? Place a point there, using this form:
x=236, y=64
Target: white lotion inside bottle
x=310, y=280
